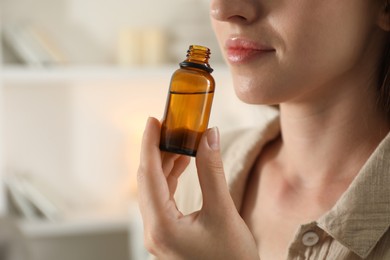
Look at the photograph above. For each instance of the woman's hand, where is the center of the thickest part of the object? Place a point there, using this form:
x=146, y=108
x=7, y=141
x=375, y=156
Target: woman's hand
x=216, y=231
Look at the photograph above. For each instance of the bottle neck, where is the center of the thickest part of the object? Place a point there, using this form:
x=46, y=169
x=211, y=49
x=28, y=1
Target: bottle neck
x=197, y=57
x=198, y=54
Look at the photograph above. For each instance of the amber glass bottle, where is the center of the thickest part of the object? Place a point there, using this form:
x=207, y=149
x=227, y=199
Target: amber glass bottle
x=188, y=104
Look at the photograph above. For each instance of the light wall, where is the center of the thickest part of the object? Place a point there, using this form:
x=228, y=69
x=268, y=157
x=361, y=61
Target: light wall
x=2, y=192
x=79, y=139
x=87, y=31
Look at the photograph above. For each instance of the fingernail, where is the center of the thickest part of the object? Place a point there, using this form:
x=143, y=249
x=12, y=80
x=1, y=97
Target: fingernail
x=213, y=138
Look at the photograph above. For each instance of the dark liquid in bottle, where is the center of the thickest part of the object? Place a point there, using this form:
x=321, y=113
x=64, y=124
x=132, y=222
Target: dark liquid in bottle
x=180, y=140
x=185, y=121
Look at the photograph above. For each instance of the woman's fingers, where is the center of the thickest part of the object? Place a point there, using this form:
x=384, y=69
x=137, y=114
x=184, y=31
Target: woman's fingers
x=203, y=234
x=168, y=162
x=158, y=174
x=152, y=184
x=211, y=174
x=180, y=164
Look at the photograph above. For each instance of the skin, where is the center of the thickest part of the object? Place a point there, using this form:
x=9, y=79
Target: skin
x=325, y=87
x=210, y=233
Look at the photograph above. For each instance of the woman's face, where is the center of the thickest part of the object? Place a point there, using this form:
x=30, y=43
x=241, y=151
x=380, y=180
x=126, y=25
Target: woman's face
x=285, y=50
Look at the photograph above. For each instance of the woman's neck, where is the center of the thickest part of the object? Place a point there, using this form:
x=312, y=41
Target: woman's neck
x=330, y=139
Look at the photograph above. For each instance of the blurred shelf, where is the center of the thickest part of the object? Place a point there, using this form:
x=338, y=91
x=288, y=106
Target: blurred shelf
x=76, y=73
x=21, y=74
x=91, y=223
x=78, y=239
x=73, y=227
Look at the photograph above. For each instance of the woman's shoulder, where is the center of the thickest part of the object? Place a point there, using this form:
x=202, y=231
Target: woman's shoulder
x=264, y=121
x=243, y=139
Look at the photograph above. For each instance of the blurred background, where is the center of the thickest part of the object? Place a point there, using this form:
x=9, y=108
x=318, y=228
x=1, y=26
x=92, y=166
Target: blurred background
x=78, y=79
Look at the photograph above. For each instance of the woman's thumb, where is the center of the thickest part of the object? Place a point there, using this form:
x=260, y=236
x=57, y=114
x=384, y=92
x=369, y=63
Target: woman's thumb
x=210, y=171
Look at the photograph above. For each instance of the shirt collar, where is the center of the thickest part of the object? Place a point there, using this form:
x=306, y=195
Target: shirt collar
x=362, y=215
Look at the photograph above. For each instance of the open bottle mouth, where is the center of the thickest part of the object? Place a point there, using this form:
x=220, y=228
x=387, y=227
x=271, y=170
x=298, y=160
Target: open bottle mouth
x=198, y=52
x=198, y=57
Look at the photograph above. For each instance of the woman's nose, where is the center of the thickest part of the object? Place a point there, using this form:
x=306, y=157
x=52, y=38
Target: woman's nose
x=243, y=11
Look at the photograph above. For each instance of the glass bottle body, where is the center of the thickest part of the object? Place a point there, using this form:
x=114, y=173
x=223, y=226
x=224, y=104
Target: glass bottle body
x=187, y=110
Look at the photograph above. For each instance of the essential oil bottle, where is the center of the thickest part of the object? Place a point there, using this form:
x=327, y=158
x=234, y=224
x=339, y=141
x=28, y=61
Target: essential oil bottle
x=188, y=104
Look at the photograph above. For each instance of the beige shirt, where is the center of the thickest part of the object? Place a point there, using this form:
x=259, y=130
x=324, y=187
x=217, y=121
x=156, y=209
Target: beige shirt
x=357, y=227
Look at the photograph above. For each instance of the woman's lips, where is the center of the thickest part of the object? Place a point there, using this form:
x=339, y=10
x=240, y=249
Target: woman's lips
x=239, y=51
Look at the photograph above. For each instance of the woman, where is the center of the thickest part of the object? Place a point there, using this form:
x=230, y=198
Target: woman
x=313, y=183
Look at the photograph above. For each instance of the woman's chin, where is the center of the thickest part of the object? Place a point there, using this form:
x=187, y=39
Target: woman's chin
x=257, y=100
x=258, y=95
